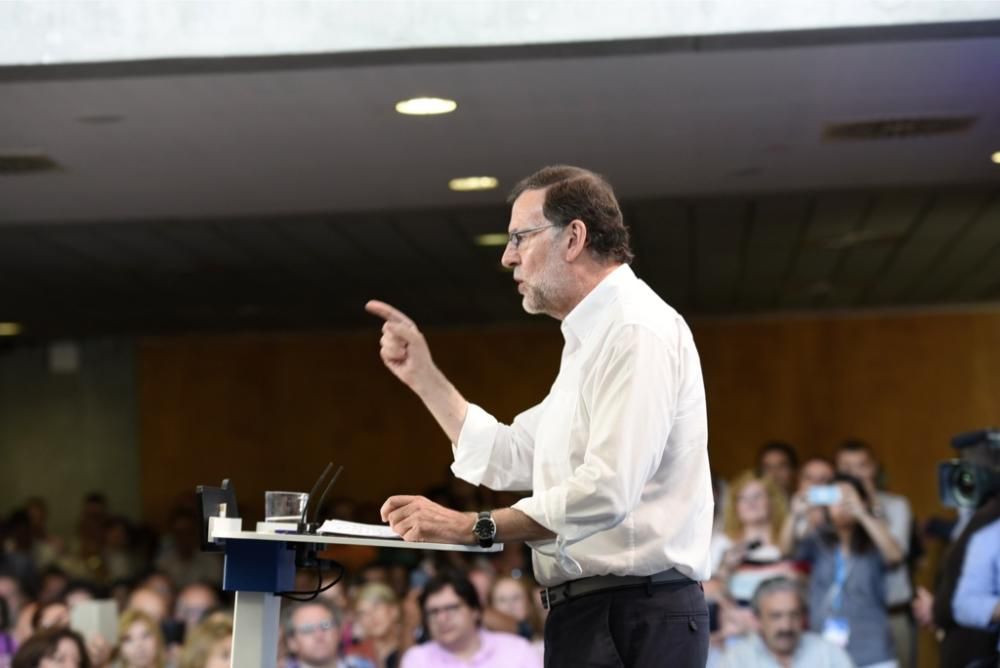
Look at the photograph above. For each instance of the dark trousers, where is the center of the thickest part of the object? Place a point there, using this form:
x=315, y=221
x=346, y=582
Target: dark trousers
x=666, y=625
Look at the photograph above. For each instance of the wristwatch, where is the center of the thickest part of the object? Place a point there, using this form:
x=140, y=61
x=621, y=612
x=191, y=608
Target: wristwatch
x=485, y=529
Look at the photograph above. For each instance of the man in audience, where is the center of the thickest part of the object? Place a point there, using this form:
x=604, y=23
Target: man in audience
x=779, y=462
x=453, y=615
x=193, y=602
x=312, y=632
x=976, y=603
x=780, y=609
x=151, y=602
x=182, y=558
x=856, y=458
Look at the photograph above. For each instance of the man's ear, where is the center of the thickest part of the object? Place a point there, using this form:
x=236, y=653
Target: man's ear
x=576, y=239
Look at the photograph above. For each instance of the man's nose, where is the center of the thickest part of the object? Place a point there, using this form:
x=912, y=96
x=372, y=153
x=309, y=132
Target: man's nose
x=510, y=257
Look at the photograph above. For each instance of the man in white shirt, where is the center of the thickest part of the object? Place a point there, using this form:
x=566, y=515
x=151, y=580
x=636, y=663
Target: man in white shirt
x=615, y=456
x=780, y=609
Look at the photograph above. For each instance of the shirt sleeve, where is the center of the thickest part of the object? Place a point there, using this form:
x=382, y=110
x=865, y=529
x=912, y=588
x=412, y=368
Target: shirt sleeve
x=977, y=594
x=493, y=454
x=630, y=395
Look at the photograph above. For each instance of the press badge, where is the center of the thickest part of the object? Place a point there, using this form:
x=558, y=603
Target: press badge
x=837, y=631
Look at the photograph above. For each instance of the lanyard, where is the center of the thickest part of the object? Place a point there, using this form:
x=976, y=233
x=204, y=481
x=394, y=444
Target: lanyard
x=840, y=573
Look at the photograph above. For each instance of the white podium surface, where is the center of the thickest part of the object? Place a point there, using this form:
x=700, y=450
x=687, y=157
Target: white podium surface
x=256, y=613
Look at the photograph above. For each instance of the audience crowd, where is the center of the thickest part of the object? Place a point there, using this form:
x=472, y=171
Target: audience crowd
x=812, y=565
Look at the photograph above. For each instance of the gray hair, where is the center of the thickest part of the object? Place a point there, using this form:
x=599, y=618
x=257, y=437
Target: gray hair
x=774, y=585
x=319, y=602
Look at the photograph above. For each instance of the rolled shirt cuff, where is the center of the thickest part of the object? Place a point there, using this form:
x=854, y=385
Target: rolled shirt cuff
x=474, y=446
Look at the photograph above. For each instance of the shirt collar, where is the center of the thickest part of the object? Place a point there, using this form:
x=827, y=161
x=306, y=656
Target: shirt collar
x=585, y=315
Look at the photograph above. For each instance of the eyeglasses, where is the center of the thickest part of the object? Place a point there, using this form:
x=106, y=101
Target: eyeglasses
x=446, y=610
x=309, y=629
x=514, y=238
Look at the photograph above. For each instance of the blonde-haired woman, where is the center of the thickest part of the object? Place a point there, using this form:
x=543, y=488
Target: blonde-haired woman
x=209, y=644
x=141, y=644
x=378, y=614
x=748, y=549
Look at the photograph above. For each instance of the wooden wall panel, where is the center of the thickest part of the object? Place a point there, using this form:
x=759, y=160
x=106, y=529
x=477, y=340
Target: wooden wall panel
x=270, y=410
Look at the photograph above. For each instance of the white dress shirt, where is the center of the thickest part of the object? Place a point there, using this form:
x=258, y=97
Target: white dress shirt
x=617, y=454
x=812, y=652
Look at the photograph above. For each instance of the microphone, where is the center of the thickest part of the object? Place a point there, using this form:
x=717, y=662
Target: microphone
x=305, y=526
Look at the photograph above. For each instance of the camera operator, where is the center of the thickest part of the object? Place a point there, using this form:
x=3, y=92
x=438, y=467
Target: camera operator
x=973, y=483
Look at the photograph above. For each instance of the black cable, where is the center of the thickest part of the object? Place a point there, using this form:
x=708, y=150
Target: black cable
x=305, y=596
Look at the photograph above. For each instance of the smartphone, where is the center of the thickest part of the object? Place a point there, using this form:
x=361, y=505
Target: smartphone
x=823, y=495
x=97, y=617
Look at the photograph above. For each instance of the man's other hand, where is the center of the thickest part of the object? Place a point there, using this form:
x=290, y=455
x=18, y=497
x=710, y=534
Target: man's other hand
x=418, y=519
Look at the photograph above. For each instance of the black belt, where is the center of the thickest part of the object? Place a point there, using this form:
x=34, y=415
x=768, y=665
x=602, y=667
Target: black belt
x=553, y=596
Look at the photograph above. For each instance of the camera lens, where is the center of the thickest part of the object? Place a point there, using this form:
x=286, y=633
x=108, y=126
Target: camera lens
x=964, y=485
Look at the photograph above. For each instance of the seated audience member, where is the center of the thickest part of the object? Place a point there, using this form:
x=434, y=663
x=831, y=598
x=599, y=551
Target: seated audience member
x=780, y=609
x=17, y=553
x=54, y=614
x=748, y=550
x=7, y=645
x=182, y=559
x=47, y=547
x=140, y=642
x=12, y=592
x=209, y=645
x=848, y=559
x=312, y=637
x=194, y=602
x=856, y=458
x=150, y=602
x=452, y=615
x=778, y=462
x=53, y=648
x=512, y=597
x=52, y=585
x=379, y=616
x=815, y=471
x=976, y=603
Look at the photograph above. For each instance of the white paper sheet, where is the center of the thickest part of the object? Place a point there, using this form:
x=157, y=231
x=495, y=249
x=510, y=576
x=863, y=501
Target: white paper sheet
x=345, y=528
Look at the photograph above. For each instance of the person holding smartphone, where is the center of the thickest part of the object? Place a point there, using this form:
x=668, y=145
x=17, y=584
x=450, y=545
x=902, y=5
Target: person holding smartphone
x=848, y=557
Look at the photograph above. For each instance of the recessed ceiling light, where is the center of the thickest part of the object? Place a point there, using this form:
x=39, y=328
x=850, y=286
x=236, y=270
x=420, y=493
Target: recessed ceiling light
x=494, y=239
x=468, y=183
x=10, y=328
x=996, y=157
x=426, y=106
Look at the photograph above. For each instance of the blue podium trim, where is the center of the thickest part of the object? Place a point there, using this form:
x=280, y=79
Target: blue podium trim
x=254, y=565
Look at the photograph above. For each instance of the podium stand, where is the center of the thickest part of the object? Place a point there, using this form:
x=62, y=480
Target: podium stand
x=260, y=563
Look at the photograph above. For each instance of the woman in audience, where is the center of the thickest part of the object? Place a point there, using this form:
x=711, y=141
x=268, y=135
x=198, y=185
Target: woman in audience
x=54, y=614
x=209, y=644
x=748, y=550
x=378, y=615
x=140, y=641
x=848, y=557
x=53, y=648
x=512, y=597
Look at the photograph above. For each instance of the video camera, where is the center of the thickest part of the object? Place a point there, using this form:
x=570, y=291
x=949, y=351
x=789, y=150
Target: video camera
x=974, y=477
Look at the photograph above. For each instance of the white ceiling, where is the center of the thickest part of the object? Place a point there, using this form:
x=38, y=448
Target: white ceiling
x=284, y=192
x=290, y=138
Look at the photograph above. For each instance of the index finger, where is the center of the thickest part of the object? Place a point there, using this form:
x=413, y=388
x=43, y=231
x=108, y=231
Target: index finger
x=394, y=502
x=386, y=312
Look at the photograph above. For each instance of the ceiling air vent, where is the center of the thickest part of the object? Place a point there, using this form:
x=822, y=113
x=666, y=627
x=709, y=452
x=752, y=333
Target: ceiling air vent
x=897, y=128
x=25, y=162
